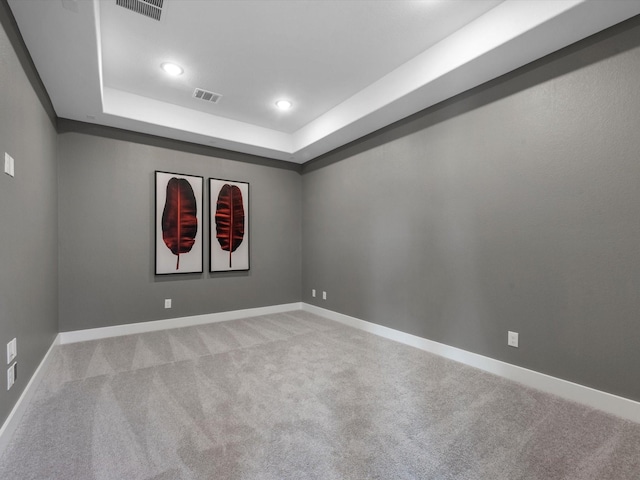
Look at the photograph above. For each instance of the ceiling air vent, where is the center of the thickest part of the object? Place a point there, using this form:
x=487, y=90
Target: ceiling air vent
x=206, y=95
x=148, y=8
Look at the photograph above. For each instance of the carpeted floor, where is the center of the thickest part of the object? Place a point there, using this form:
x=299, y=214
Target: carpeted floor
x=296, y=396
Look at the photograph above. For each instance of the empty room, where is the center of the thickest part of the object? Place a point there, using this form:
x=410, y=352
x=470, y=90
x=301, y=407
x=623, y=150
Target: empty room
x=320, y=239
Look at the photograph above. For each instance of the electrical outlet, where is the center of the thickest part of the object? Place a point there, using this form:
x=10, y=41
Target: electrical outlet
x=167, y=303
x=324, y=295
x=12, y=372
x=313, y=292
x=512, y=339
x=12, y=350
x=8, y=164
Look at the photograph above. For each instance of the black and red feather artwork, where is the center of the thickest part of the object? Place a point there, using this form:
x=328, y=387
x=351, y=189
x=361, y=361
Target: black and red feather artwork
x=230, y=219
x=179, y=218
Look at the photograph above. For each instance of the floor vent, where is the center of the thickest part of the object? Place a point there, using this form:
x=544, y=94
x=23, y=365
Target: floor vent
x=206, y=95
x=148, y=8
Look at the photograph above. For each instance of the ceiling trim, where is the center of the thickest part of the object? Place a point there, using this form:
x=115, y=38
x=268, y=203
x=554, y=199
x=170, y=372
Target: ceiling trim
x=10, y=26
x=509, y=36
x=514, y=33
x=64, y=125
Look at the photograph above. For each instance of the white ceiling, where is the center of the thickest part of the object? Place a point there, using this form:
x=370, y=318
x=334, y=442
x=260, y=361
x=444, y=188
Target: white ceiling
x=349, y=67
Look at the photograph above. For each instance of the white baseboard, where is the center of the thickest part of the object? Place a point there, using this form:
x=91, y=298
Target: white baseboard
x=155, y=325
x=613, y=404
x=12, y=421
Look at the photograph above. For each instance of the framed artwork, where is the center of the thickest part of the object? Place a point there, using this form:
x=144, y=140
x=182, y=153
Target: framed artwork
x=178, y=232
x=229, y=225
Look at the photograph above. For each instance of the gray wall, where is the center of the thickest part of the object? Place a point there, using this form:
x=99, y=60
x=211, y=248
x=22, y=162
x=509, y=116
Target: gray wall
x=515, y=206
x=106, y=229
x=28, y=224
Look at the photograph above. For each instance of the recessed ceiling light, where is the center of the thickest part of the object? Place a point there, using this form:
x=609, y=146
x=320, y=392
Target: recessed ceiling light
x=172, y=69
x=284, y=104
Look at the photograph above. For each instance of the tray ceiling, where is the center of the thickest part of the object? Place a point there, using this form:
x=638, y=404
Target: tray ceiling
x=348, y=67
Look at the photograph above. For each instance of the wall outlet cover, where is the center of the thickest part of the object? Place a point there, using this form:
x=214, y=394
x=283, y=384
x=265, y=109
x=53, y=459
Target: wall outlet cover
x=512, y=339
x=8, y=164
x=324, y=295
x=11, y=376
x=313, y=292
x=12, y=350
x=167, y=303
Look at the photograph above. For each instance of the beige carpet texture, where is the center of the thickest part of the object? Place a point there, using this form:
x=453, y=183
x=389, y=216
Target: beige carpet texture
x=297, y=396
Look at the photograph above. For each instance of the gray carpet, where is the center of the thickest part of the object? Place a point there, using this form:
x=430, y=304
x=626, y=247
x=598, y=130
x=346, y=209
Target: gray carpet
x=296, y=396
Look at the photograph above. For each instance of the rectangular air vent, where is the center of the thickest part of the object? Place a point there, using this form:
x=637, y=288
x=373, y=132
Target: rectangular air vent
x=148, y=8
x=206, y=95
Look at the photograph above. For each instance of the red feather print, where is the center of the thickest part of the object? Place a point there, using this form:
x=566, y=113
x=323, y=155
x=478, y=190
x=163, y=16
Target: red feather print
x=179, y=218
x=229, y=219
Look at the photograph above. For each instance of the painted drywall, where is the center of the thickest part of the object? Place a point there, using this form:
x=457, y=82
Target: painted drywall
x=515, y=206
x=106, y=230
x=28, y=223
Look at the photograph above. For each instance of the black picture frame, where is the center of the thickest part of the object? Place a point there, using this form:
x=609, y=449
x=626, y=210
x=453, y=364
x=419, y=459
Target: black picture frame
x=178, y=238
x=229, y=238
